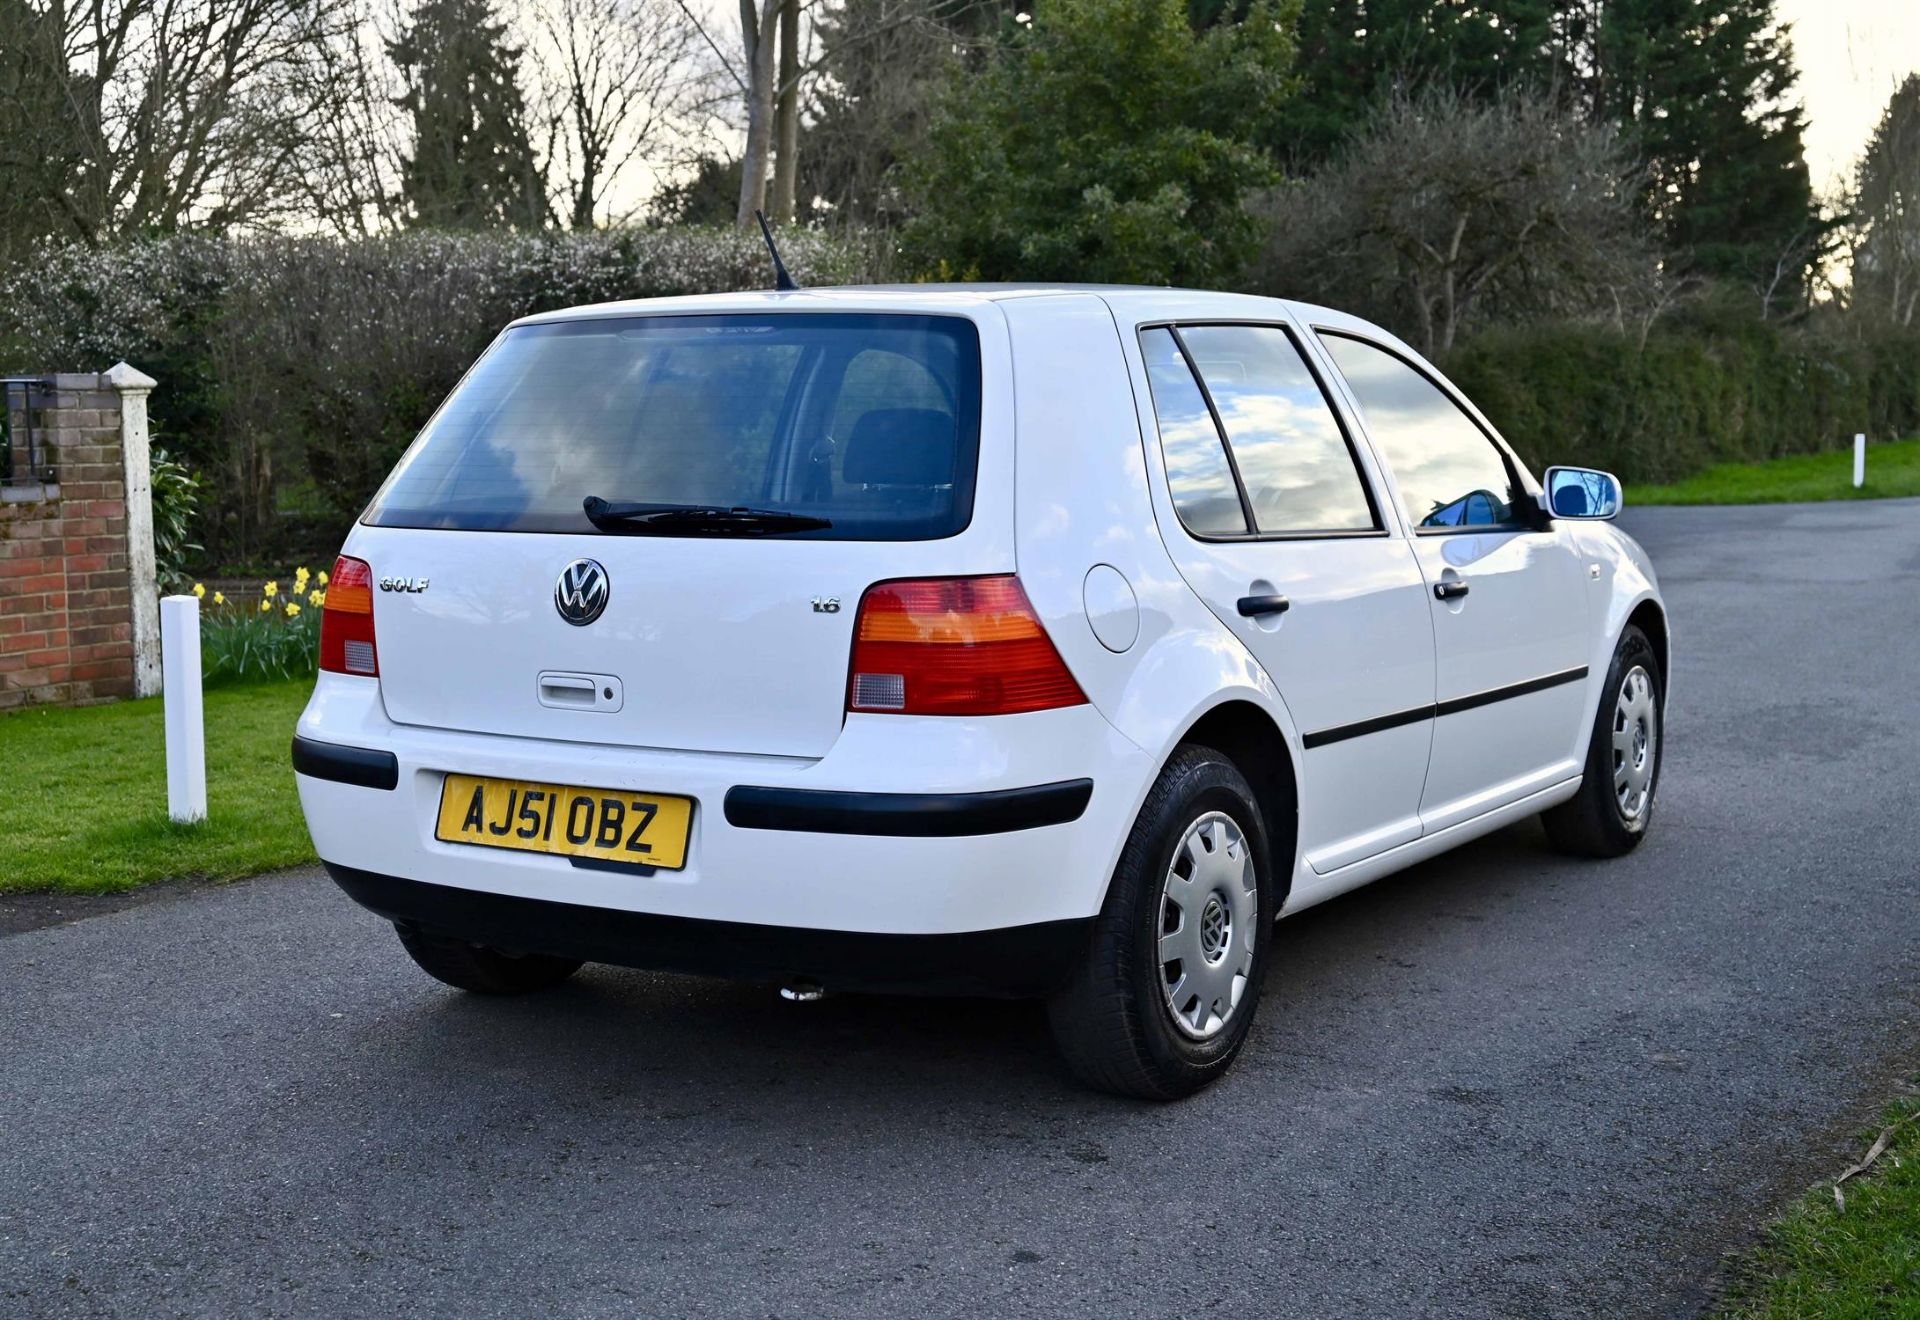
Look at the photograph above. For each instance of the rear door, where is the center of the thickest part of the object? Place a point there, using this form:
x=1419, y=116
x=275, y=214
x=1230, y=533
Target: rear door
x=726, y=636
x=1507, y=596
x=1266, y=499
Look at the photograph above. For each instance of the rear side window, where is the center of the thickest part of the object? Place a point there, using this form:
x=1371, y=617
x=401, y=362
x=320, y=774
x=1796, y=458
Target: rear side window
x=1293, y=458
x=871, y=422
x=1450, y=473
x=1204, y=492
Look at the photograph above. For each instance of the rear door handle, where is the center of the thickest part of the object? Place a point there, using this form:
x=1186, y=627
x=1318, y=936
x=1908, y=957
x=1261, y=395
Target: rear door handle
x=1253, y=607
x=1449, y=590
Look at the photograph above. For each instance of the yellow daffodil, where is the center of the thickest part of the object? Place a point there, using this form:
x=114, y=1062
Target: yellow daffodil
x=271, y=589
x=300, y=576
x=316, y=597
x=293, y=609
x=200, y=590
x=265, y=605
x=322, y=579
x=219, y=598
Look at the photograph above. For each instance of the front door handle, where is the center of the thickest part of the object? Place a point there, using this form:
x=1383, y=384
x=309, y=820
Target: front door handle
x=1449, y=590
x=1253, y=607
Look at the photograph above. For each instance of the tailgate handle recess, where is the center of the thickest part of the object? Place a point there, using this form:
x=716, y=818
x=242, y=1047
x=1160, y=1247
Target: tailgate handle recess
x=570, y=691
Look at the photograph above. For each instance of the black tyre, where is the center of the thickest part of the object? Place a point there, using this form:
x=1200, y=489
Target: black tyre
x=478, y=968
x=1609, y=815
x=1162, y=1001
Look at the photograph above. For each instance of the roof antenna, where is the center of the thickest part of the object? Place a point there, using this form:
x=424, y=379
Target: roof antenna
x=782, y=281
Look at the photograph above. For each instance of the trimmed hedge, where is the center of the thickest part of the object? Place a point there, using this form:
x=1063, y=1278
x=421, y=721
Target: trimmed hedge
x=293, y=371
x=305, y=365
x=1691, y=397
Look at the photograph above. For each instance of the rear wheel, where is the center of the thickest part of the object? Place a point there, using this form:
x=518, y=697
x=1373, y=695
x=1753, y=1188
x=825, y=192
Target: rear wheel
x=1609, y=815
x=478, y=968
x=1162, y=1001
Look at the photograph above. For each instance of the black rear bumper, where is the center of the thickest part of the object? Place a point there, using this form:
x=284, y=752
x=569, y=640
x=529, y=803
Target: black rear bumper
x=1017, y=961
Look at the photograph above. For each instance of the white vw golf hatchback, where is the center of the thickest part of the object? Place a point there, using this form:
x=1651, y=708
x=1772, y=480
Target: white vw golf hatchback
x=984, y=640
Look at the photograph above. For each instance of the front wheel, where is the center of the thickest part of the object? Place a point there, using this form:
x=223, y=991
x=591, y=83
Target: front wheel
x=1609, y=815
x=1161, y=1003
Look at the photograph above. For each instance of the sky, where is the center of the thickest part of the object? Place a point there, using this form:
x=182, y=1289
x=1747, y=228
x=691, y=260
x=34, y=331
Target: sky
x=1852, y=54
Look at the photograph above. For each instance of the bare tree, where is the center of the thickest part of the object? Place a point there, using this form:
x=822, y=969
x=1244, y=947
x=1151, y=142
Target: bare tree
x=786, y=114
x=184, y=112
x=763, y=81
x=349, y=171
x=874, y=98
x=1445, y=213
x=619, y=83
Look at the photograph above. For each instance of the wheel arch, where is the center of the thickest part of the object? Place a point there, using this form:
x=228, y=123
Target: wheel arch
x=1650, y=619
x=1246, y=734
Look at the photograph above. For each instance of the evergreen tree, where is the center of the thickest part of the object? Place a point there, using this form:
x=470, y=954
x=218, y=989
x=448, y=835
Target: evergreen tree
x=1354, y=55
x=1106, y=142
x=1886, y=204
x=472, y=165
x=707, y=196
x=1704, y=88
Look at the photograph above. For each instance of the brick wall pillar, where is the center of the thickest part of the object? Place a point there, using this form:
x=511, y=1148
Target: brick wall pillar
x=76, y=547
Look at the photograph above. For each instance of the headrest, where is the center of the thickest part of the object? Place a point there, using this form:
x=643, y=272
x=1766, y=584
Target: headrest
x=901, y=447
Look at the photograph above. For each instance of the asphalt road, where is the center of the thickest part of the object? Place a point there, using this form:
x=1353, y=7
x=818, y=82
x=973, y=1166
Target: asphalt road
x=1498, y=1084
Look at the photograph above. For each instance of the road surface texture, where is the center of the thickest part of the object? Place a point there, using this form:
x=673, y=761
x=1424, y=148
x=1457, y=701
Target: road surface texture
x=1499, y=1084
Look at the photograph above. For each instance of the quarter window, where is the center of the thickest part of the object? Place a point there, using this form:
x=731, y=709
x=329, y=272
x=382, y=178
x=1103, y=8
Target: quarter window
x=1293, y=458
x=1450, y=473
x=1204, y=493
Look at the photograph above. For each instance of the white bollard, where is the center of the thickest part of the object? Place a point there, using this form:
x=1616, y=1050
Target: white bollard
x=186, y=724
x=1859, y=460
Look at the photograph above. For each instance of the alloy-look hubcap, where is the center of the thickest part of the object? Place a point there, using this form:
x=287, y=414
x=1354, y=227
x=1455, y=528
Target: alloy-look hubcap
x=1635, y=743
x=1208, y=910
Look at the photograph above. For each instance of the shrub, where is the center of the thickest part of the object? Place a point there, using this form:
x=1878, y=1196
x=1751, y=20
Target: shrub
x=1691, y=396
x=284, y=360
x=1447, y=214
x=176, y=501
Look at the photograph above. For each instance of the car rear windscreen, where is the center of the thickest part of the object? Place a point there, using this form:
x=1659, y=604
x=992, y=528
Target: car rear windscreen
x=871, y=422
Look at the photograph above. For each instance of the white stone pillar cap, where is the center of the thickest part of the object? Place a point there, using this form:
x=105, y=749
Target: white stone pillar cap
x=128, y=379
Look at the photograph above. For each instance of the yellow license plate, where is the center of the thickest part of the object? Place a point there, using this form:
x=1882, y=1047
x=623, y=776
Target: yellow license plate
x=602, y=824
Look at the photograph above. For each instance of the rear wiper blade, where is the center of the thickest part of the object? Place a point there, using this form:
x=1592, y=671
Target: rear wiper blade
x=719, y=519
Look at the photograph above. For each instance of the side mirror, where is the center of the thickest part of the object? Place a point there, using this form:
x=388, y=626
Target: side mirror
x=1574, y=492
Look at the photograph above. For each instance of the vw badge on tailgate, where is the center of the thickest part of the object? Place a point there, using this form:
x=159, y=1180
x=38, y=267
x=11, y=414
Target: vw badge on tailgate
x=581, y=592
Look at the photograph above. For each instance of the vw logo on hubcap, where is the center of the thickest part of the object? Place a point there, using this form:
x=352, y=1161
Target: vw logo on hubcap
x=581, y=592
x=1214, y=928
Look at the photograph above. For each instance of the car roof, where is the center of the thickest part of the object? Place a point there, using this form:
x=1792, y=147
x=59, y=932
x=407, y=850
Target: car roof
x=948, y=295
x=1148, y=301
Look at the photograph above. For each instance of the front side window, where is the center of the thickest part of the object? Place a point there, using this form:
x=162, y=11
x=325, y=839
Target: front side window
x=1292, y=456
x=1450, y=473
x=866, y=423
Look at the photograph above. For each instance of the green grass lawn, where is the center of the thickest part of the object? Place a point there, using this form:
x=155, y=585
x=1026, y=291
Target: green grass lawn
x=86, y=803
x=1892, y=469
x=1860, y=1262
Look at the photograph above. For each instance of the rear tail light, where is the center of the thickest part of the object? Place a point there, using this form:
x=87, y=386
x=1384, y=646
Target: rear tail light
x=346, y=620
x=955, y=646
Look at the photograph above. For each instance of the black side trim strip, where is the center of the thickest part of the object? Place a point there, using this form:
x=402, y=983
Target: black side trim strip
x=1378, y=724
x=907, y=815
x=360, y=766
x=1478, y=699
x=1473, y=701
